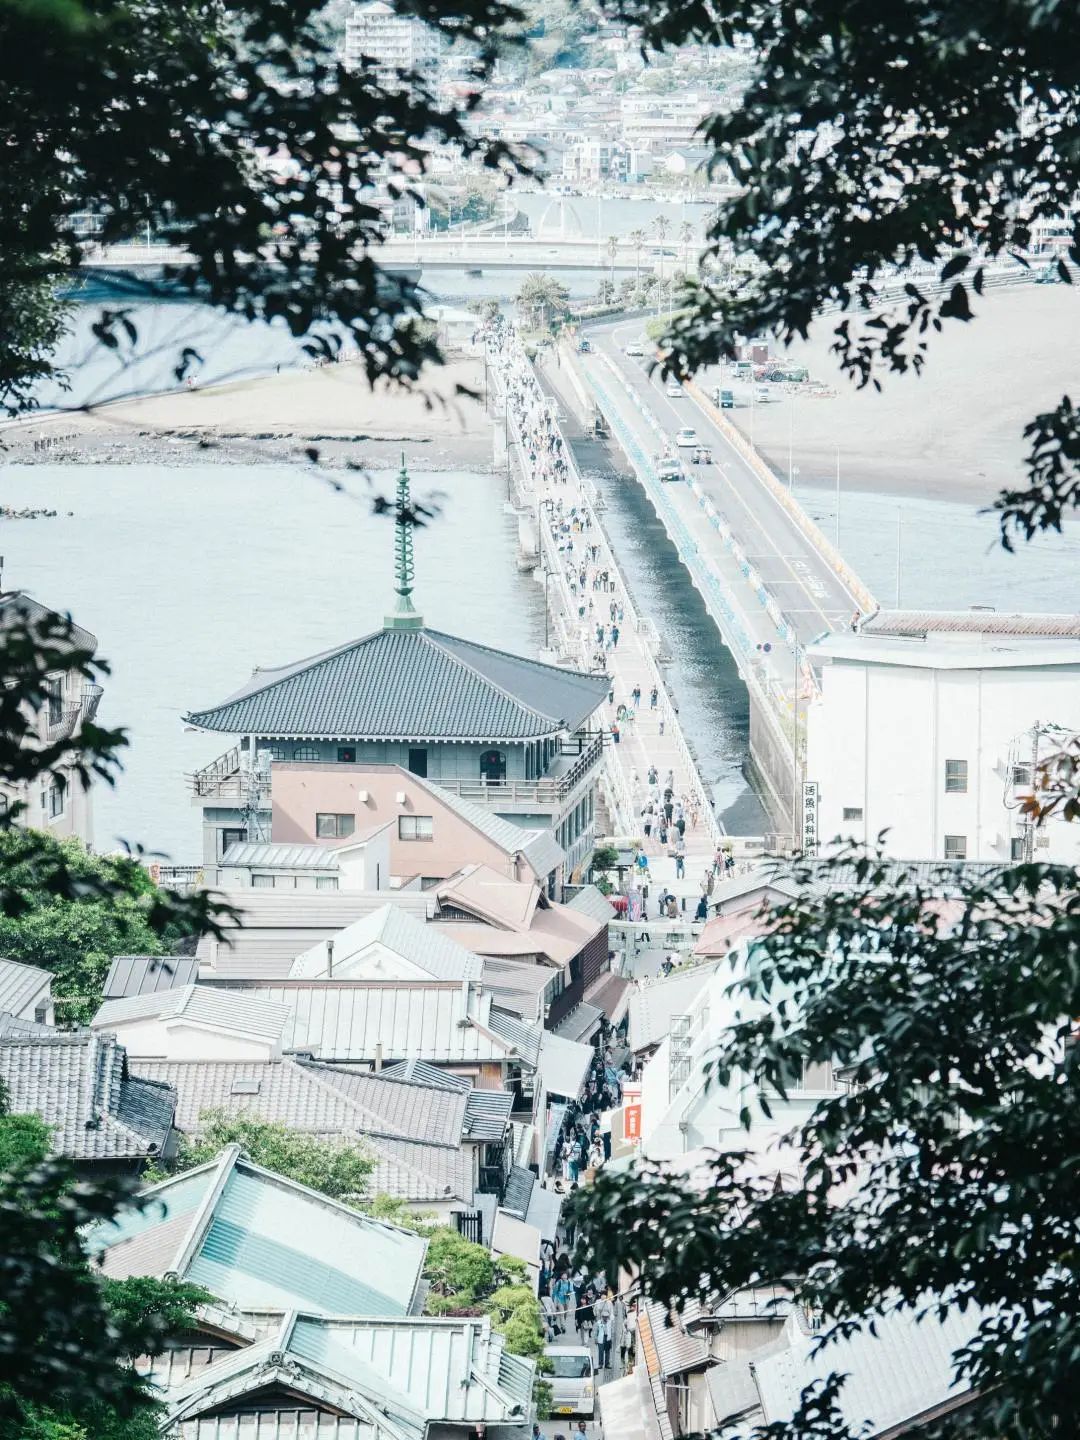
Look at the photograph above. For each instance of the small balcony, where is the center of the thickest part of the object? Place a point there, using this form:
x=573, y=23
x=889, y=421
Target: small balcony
x=61, y=721
x=567, y=771
x=225, y=781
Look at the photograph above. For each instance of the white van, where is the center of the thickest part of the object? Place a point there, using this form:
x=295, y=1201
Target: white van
x=572, y=1380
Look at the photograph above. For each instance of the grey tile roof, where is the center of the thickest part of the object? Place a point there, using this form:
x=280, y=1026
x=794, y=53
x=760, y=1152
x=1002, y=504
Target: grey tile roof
x=408, y=685
x=487, y=1114
x=653, y=1005
x=676, y=1350
x=16, y=604
x=518, y=985
x=78, y=1082
x=235, y=1011
x=15, y=1025
x=143, y=974
x=404, y=1109
x=524, y=1038
x=519, y=1189
x=421, y=1073
x=539, y=847
x=592, y=902
x=920, y=623
x=419, y=1172
x=21, y=985
x=415, y=941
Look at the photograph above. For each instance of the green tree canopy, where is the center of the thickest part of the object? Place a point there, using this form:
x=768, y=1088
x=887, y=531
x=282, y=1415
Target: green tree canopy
x=340, y=1168
x=884, y=155
x=943, y=1173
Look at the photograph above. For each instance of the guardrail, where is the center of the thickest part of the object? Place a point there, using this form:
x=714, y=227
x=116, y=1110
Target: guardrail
x=772, y=700
x=859, y=592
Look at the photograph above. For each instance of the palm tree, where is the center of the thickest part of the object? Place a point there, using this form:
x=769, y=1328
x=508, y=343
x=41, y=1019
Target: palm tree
x=686, y=239
x=541, y=297
x=661, y=225
x=613, y=250
x=637, y=238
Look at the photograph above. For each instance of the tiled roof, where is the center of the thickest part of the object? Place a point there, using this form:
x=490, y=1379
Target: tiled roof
x=517, y=985
x=540, y=848
x=675, y=1349
x=408, y=685
x=403, y=1378
x=16, y=604
x=143, y=974
x=21, y=985
x=259, y=1241
x=78, y=1082
x=487, y=1113
x=592, y=902
x=421, y=1073
x=414, y=1133
x=521, y=1036
x=969, y=622
x=233, y=1010
x=428, y=948
x=353, y=1021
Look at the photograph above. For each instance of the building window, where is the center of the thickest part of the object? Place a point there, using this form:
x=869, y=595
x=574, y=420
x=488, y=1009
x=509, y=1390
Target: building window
x=326, y=882
x=1021, y=776
x=1016, y=848
x=232, y=837
x=852, y=812
x=56, y=798
x=492, y=766
x=955, y=847
x=262, y=882
x=346, y=754
x=55, y=688
x=416, y=827
x=956, y=777
x=329, y=826
x=41, y=1014
x=418, y=763
x=276, y=752
x=305, y=752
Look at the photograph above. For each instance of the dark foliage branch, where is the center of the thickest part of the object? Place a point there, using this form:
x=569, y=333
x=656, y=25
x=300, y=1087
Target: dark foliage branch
x=35, y=651
x=946, y=1172
x=879, y=144
x=233, y=131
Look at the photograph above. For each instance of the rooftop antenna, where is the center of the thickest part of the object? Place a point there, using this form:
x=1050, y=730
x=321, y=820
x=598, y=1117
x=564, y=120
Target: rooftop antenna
x=404, y=615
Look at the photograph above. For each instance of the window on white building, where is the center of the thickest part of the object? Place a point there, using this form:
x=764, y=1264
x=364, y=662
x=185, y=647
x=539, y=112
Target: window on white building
x=326, y=882
x=956, y=777
x=262, y=882
x=416, y=827
x=1016, y=848
x=305, y=752
x=330, y=826
x=56, y=798
x=955, y=847
x=1021, y=776
x=852, y=812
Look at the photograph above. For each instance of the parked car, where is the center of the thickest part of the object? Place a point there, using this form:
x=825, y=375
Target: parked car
x=572, y=1379
x=686, y=438
x=762, y=394
x=674, y=389
x=670, y=468
x=635, y=350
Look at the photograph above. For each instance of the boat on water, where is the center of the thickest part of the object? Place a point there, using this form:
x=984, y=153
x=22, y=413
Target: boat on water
x=474, y=271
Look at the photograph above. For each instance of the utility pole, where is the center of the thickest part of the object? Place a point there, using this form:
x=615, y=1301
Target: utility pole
x=899, y=542
x=838, y=497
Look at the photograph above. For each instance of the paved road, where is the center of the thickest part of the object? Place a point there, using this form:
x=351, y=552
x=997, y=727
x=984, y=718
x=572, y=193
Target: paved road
x=808, y=592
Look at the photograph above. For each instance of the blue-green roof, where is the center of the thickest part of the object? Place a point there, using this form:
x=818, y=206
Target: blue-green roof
x=408, y=685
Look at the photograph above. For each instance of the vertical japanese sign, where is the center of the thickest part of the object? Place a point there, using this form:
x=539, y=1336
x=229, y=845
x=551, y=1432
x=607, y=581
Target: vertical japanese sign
x=810, y=817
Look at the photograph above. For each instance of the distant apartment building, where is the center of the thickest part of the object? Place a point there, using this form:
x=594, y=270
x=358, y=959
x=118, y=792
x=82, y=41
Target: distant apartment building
x=56, y=800
x=931, y=727
x=663, y=122
x=590, y=160
x=396, y=44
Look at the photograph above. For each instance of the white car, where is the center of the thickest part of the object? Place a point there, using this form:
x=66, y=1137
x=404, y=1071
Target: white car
x=635, y=350
x=674, y=389
x=572, y=1378
x=670, y=468
x=686, y=437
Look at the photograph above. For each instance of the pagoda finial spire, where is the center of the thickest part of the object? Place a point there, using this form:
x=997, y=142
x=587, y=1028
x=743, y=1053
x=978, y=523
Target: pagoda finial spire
x=404, y=616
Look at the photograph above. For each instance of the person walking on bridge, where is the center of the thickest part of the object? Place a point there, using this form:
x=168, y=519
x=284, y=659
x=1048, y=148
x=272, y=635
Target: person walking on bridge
x=653, y=696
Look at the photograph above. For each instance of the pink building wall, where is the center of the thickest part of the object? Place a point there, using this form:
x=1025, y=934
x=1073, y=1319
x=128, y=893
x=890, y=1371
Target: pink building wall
x=300, y=791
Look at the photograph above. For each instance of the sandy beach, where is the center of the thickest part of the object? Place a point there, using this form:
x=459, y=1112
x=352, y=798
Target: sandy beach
x=279, y=417
x=953, y=433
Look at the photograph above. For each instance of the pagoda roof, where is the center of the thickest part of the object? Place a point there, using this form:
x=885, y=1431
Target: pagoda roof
x=408, y=684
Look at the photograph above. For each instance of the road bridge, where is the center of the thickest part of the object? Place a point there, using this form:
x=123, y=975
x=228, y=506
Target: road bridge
x=769, y=577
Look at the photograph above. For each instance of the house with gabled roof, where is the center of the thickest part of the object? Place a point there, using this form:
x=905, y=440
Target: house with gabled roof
x=343, y=1378
x=101, y=1116
x=514, y=735
x=257, y=1240
x=435, y=1144
x=389, y=945
x=26, y=991
x=196, y=1022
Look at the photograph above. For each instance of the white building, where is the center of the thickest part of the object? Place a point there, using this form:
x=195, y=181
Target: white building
x=396, y=43
x=931, y=725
